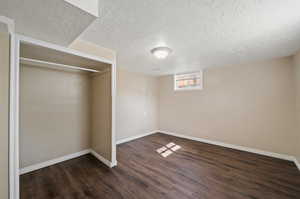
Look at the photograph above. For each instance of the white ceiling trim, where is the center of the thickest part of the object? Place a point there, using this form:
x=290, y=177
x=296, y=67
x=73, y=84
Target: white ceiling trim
x=9, y=22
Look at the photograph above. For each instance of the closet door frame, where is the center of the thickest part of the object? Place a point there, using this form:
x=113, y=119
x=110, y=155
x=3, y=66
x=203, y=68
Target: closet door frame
x=11, y=161
x=16, y=40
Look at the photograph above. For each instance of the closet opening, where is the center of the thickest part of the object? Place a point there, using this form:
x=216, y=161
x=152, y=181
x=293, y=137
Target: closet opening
x=64, y=107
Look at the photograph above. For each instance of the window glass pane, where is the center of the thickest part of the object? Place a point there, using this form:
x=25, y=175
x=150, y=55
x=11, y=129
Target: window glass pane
x=188, y=81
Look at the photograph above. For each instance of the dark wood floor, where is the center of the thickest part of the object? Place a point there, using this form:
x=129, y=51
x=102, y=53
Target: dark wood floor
x=197, y=170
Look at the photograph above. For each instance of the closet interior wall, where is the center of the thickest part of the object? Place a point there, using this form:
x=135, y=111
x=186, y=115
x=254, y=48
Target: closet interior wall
x=55, y=114
x=101, y=114
x=63, y=111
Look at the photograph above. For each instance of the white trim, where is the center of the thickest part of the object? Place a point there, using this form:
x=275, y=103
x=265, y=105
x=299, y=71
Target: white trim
x=297, y=163
x=102, y=159
x=41, y=63
x=14, y=120
x=231, y=146
x=24, y=39
x=53, y=162
x=113, y=113
x=14, y=103
x=241, y=148
x=136, y=137
x=188, y=89
x=65, y=158
x=13, y=114
x=9, y=22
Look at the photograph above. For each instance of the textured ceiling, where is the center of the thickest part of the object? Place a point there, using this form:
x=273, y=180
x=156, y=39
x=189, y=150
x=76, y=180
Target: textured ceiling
x=54, y=21
x=202, y=33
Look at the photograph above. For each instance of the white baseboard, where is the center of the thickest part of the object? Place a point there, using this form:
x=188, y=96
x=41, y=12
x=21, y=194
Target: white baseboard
x=114, y=163
x=241, y=148
x=54, y=161
x=135, y=137
x=104, y=160
x=297, y=163
x=65, y=158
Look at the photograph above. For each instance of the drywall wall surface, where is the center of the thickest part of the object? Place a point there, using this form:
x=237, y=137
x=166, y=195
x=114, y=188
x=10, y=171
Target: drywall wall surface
x=90, y=6
x=54, y=114
x=250, y=105
x=101, y=100
x=101, y=115
x=4, y=113
x=137, y=104
x=93, y=49
x=296, y=60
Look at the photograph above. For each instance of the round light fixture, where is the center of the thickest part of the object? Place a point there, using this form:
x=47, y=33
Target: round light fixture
x=161, y=52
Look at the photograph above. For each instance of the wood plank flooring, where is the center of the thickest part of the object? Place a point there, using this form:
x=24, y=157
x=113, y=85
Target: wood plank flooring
x=197, y=170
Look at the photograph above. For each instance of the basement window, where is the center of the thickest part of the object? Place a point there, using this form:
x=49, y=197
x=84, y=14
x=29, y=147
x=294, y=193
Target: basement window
x=188, y=81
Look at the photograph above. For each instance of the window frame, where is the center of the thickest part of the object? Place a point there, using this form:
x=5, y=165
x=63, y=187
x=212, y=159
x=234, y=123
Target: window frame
x=200, y=87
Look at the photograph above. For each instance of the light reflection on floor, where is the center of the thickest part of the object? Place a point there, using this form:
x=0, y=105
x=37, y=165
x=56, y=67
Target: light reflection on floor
x=168, y=149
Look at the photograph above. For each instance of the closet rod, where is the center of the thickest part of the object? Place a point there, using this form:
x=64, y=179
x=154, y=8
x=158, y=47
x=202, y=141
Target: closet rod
x=36, y=62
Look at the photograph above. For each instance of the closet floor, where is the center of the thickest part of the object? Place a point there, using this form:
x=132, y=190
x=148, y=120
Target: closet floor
x=194, y=170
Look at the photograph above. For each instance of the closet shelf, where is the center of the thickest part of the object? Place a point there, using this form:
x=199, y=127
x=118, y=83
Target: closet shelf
x=41, y=63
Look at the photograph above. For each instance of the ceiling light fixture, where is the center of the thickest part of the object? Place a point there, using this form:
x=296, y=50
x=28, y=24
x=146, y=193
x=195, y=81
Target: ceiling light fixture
x=161, y=52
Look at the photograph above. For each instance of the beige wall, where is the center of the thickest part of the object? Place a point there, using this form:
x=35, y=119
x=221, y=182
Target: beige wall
x=4, y=113
x=297, y=82
x=250, y=105
x=241, y=105
x=101, y=97
x=93, y=49
x=137, y=104
x=54, y=114
x=137, y=94
x=101, y=115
